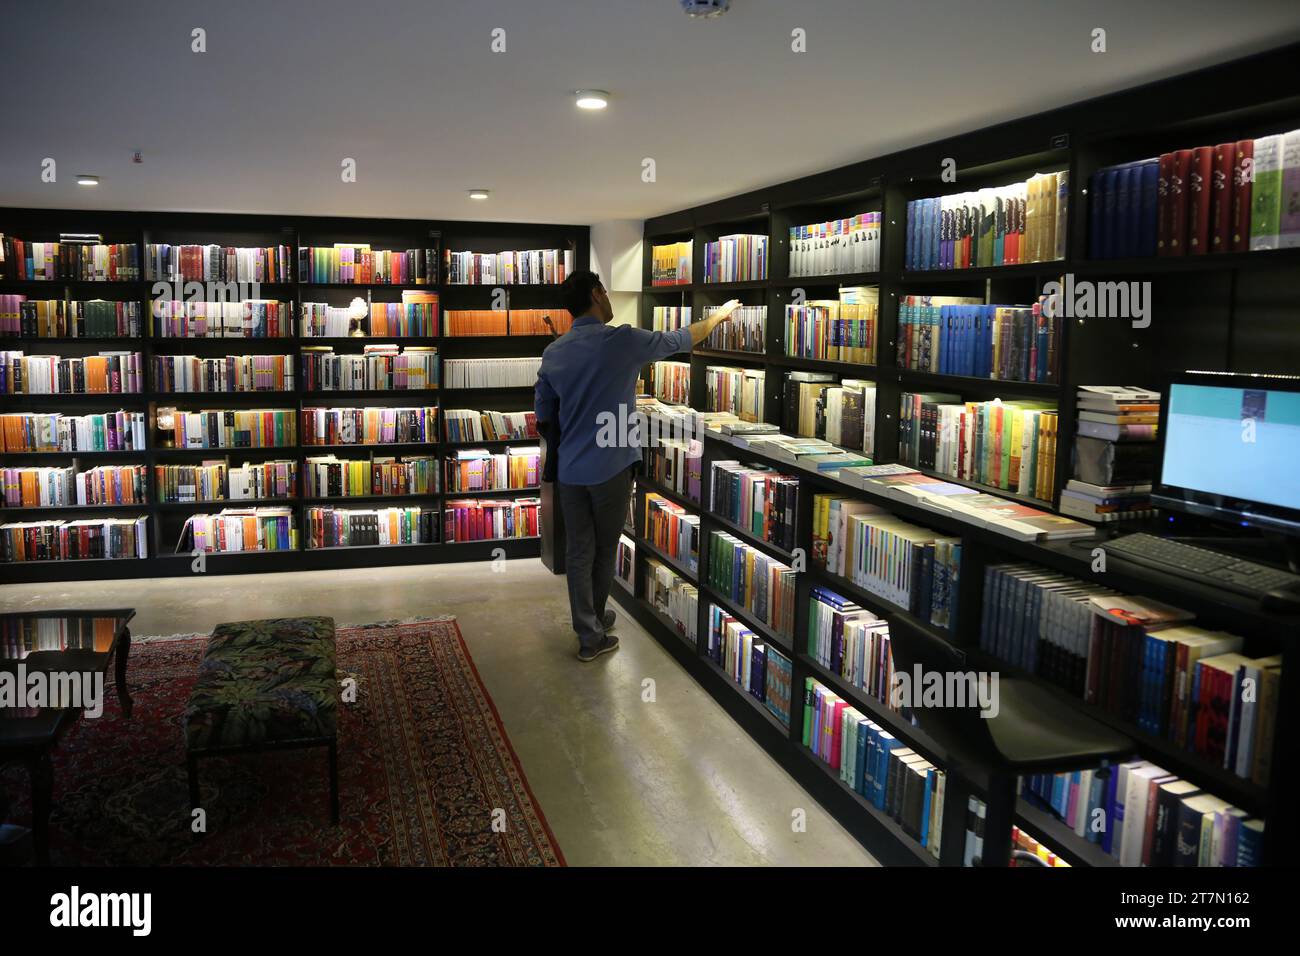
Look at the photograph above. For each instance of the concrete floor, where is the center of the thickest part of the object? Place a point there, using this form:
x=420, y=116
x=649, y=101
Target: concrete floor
x=622, y=782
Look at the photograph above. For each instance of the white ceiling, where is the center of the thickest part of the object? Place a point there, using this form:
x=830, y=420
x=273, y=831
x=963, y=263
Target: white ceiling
x=410, y=88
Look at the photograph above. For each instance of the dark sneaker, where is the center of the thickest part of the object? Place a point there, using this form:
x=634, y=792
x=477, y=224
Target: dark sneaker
x=609, y=620
x=589, y=654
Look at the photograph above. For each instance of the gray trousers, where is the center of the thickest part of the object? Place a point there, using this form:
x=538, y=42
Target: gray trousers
x=593, y=519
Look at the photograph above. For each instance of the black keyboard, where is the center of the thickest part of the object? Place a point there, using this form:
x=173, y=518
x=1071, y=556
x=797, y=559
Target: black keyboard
x=1201, y=564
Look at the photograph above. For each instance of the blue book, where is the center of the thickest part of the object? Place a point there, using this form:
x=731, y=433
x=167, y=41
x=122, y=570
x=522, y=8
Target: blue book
x=930, y=776
x=911, y=236
x=1148, y=207
x=1096, y=795
x=1110, y=212
x=1250, y=839
x=935, y=212
x=886, y=745
x=1125, y=221
x=1112, y=821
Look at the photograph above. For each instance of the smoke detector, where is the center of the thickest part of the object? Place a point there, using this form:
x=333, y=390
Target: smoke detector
x=705, y=9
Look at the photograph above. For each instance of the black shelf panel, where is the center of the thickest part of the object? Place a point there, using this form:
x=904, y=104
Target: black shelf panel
x=830, y=279
x=359, y=341
x=203, y=506
x=1027, y=270
x=314, y=395
x=676, y=497
x=122, y=342
x=1211, y=262
x=532, y=491
x=983, y=386
x=743, y=286
x=851, y=369
x=43, y=455
x=16, y=512
x=751, y=358
x=749, y=698
x=34, y=398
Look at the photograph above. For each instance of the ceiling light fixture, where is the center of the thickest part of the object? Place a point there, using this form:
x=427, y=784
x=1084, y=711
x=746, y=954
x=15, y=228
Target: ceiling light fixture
x=591, y=99
x=85, y=179
x=479, y=193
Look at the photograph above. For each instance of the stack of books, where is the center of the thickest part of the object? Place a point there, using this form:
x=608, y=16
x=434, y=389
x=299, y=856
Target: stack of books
x=843, y=413
x=249, y=319
x=1114, y=454
x=355, y=263
x=471, y=425
x=961, y=336
x=68, y=319
x=331, y=477
x=759, y=500
x=215, y=263
x=63, y=487
x=511, y=267
x=745, y=331
x=54, y=431
x=477, y=469
x=760, y=584
x=671, y=594
x=836, y=247
x=673, y=530
x=671, y=382
x=835, y=330
x=735, y=390
x=736, y=258
x=670, y=317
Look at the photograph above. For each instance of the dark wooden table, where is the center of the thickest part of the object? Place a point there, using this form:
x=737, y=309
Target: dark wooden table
x=56, y=643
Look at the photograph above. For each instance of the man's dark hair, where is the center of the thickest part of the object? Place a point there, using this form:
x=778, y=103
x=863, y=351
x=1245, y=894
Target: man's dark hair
x=575, y=292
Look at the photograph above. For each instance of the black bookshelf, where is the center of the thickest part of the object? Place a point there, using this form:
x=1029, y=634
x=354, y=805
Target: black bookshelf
x=167, y=518
x=1224, y=312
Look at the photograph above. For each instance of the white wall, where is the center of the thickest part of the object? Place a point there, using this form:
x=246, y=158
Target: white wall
x=616, y=258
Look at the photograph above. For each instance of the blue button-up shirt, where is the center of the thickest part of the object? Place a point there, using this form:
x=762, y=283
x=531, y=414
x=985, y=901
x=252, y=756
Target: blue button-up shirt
x=587, y=385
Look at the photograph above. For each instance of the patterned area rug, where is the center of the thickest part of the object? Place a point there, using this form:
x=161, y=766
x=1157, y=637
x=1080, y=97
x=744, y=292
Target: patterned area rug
x=427, y=776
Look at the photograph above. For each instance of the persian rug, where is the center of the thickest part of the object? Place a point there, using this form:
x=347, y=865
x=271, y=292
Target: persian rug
x=427, y=776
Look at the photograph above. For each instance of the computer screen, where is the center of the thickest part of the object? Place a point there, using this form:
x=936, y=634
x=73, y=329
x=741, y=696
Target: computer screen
x=1233, y=446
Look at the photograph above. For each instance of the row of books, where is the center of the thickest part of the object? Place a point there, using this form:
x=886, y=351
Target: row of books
x=670, y=594
x=759, y=500
x=21, y=636
x=670, y=264
x=83, y=259
x=229, y=428
x=874, y=763
x=54, y=431
x=218, y=481
x=244, y=319
x=836, y=247
x=485, y=520
x=107, y=373
x=668, y=318
x=736, y=258
x=511, y=267
x=491, y=372
x=332, y=477
x=348, y=263
x=1008, y=445
x=233, y=530
x=673, y=530
x=851, y=643
x=217, y=263
x=744, y=331
x=761, y=584
x=905, y=565
x=1114, y=454
x=369, y=426
x=1138, y=659
x=1142, y=815
x=675, y=464
x=740, y=391
x=83, y=539
x=231, y=373
x=386, y=367
x=835, y=330
x=1233, y=197
x=477, y=469
x=841, y=412
x=671, y=382
x=58, y=487
x=469, y=322
x=68, y=318
x=952, y=335
x=330, y=527
x=471, y=425
x=415, y=316
x=1007, y=225
x=760, y=670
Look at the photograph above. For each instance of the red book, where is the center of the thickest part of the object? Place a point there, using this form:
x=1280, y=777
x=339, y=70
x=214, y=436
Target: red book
x=1164, y=211
x=1221, y=198
x=1242, y=177
x=1198, y=200
x=1178, y=206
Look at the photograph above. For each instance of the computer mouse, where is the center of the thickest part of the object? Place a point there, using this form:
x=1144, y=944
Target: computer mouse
x=1284, y=599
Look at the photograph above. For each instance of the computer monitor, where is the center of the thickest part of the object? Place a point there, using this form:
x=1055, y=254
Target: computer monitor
x=1230, y=449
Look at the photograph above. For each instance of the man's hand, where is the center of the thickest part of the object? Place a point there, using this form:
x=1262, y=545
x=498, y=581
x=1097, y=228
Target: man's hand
x=700, y=330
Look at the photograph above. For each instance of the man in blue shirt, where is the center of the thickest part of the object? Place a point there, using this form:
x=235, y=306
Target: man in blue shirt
x=588, y=380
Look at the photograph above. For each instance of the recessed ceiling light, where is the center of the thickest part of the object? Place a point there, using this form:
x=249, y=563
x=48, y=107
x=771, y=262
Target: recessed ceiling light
x=85, y=179
x=479, y=193
x=591, y=99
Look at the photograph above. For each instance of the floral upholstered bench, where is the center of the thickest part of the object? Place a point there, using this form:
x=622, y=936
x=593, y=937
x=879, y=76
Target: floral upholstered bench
x=265, y=685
